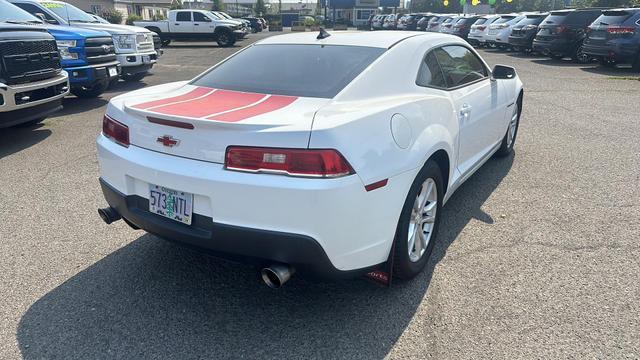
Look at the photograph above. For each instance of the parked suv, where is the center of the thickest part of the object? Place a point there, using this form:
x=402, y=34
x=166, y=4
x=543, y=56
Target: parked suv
x=478, y=31
x=463, y=25
x=423, y=22
x=523, y=32
x=391, y=22
x=561, y=34
x=134, y=45
x=435, y=22
x=614, y=37
x=496, y=28
x=32, y=82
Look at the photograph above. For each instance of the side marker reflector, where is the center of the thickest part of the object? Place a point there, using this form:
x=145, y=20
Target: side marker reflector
x=376, y=185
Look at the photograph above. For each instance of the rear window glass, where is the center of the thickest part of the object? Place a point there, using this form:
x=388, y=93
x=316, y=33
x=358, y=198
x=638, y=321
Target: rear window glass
x=504, y=19
x=305, y=70
x=480, y=21
x=612, y=18
x=531, y=20
x=556, y=18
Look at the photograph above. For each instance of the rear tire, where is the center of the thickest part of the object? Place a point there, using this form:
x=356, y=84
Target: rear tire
x=91, y=91
x=418, y=224
x=580, y=56
x=509, y=139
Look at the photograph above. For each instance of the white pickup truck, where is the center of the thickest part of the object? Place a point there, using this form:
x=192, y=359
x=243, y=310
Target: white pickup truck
x=197, y=25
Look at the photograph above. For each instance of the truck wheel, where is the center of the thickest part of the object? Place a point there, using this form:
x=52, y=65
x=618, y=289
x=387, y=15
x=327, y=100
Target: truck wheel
x=133, y=77
x=87, y=92
x=225, y=39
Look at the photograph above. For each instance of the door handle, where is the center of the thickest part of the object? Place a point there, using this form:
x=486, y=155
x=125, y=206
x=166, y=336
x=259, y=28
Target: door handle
x=176, y=24
x=196, y=24
x=465, y=112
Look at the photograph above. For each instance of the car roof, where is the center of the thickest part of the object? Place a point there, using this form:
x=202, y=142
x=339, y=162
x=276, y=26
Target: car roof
x=379, y=39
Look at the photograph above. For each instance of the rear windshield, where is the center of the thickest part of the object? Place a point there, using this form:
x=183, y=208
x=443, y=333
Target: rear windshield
x=612, y=18
x=480, y=21
x=531, y=20
x=295, y=70
x=504, y=19
x=556, y=17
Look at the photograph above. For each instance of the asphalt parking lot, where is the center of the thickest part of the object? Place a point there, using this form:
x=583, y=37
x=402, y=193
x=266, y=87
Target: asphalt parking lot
x=538, y=253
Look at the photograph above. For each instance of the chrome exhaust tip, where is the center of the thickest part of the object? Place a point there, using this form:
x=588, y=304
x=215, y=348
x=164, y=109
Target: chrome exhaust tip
x=276, y=275
x=109, y=215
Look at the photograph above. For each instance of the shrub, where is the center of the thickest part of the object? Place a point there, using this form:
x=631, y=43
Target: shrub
x=133, y=18
x=112, y=16
x=308, y=21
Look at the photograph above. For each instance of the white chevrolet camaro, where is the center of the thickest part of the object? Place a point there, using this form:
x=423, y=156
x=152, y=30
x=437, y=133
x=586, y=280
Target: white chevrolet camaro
x=329, y=155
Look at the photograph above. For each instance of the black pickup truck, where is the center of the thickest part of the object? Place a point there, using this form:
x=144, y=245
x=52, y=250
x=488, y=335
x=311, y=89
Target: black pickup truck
x=32, y=83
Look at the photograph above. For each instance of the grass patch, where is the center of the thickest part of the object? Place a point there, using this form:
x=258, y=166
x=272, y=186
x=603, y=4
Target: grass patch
x=636, y=78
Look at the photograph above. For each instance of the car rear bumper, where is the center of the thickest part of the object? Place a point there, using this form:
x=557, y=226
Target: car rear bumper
x=333, y=219
x=620, y=52
x=522, y=41
x=554, y=47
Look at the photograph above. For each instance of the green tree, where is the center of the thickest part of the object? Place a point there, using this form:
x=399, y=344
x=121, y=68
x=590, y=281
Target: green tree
x=176, y=4
x=112, y=16
x=260, y=8
x=218, y=5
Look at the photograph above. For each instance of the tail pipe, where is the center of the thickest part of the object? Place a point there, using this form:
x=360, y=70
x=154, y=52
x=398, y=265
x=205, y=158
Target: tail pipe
x=109, y=215
x=276, y=275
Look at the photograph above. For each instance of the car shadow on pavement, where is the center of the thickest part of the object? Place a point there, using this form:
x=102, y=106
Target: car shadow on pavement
x=153, y=299
x=16, y=139
x=73, y=105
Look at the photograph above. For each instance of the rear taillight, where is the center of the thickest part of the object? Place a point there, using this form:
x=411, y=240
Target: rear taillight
x=115, y=131
x=325, y=163
x=560, y=29
x=481, y=28
x=620, y=30
x=529, y=27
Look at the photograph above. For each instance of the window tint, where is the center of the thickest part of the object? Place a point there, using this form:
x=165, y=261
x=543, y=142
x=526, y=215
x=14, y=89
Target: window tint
x=531, y=20
x=183, y=16
x=307, y=70
x=612, y=17
x=480, y=21
x=504, y=19
x=556, y=17
x=430, y=73
x=459, y=65
x=199, y=17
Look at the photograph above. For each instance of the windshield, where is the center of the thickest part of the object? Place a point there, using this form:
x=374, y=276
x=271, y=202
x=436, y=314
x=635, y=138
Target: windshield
x=69, y=13
x=13, y=14
x=213, y=15
x=307, y=70
x=225, y=15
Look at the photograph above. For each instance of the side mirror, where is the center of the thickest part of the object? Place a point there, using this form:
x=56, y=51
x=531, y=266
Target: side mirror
x=502, y=72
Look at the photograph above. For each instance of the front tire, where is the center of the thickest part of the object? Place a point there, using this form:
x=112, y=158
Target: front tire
x=509, y=140
x=418, y=224
x=225, y=39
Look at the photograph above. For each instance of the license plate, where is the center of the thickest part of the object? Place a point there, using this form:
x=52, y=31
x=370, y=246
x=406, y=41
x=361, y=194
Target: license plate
x=173, y=204
x=113, y=72
x=146, y=59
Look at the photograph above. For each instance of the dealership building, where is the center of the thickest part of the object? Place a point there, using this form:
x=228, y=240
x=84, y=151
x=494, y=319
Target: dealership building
x=357, y=12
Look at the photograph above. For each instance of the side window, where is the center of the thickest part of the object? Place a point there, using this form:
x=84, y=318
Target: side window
x=459, y=65
x=199, y=17
x=34, y=10
x=430, y=74
x=183, y=16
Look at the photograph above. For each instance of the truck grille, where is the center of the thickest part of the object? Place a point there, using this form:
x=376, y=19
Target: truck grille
x=100, y=50
x=29, y=60
x=144, y=42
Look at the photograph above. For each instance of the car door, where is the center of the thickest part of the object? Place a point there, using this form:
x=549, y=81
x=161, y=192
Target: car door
x=201, y=23
x=183, y=23
x=477, y=103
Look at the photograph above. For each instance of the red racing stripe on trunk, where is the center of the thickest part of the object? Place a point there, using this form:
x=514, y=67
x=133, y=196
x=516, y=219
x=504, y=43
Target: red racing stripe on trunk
x=199, y=91
x=273, y=103
x=219, y=101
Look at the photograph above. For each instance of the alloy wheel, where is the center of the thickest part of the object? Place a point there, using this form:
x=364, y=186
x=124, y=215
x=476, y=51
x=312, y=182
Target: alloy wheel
x=422, y=222
x=513, y=126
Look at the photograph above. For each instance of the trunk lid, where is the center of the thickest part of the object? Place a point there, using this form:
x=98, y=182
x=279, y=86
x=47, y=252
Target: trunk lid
x=199, y=123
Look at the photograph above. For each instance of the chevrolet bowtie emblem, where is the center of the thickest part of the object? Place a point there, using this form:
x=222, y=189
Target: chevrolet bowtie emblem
x=168, y=141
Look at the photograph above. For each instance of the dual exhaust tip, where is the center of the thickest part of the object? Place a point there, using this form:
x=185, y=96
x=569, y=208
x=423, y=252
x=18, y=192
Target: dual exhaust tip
x=274, y=276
